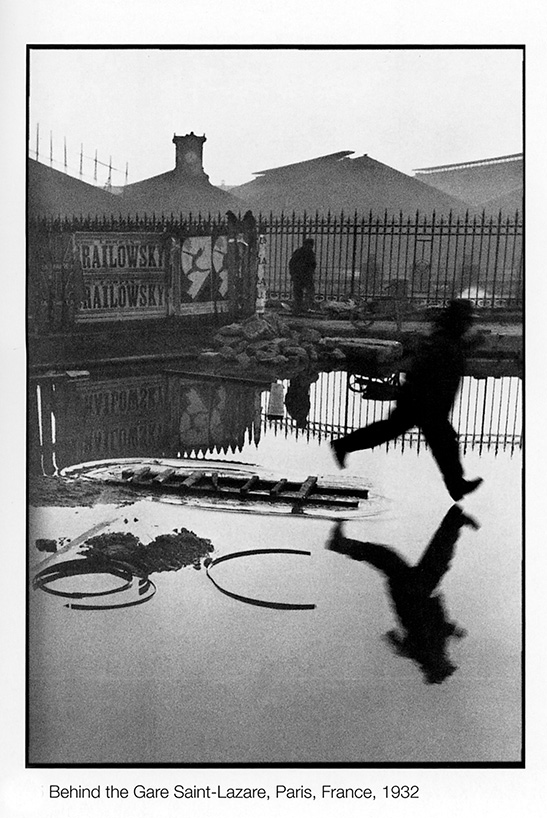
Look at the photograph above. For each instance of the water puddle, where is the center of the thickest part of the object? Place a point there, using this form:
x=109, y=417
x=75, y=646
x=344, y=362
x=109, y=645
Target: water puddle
x=390, y=635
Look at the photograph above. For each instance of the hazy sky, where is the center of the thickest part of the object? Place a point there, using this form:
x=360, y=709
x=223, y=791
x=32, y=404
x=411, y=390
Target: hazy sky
x=264, y=108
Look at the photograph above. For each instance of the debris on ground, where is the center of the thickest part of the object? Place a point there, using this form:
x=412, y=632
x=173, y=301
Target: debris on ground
x=167, y=552
x=58, y=491
x=44, y=544
x=268, y=342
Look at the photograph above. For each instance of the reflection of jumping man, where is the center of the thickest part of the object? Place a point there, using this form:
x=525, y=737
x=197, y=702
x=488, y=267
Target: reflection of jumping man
x=425, y=400
x=425, y=625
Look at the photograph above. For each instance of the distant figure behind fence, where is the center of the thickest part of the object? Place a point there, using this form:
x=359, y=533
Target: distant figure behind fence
x=302, y=266
x=425, y=400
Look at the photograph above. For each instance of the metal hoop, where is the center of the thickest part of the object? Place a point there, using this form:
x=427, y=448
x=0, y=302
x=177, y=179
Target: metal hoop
x=74, y=568
x=283, y=606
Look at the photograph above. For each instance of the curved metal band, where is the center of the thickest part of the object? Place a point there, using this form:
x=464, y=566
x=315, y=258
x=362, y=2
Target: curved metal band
x=74, y=568
x=148, y=583
x=282, y=606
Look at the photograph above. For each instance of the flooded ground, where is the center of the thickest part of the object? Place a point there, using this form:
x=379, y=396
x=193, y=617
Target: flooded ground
x=192, y=675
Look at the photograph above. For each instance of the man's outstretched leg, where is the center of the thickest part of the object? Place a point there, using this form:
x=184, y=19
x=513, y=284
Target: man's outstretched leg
x=381, y=557
x=375, y=434
x=443, y=442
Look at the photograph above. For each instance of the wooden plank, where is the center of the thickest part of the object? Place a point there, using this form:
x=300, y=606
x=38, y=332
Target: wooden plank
x=288, y=498
x=233, y=492
x=249, y=484
x=164, y=475
x=323, y=500
x=278, y=487
x=138, y=474
x=292, y=485
x=194, y=478
x=307, y=487
x=239, y=481
x=343, y=491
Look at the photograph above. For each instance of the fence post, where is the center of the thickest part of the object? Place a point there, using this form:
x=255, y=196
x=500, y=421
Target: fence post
x=261, y=276
x=496, y=260
x=353, y=255
x=174, y=271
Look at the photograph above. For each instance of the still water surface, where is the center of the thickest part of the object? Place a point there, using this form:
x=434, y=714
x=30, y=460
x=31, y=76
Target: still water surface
x=196, y=677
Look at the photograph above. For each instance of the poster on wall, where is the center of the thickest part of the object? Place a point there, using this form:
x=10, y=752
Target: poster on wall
x=124, y=276
x=203, y=275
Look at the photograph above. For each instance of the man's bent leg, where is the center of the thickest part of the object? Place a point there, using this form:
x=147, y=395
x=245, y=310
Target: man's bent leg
x=375, y=434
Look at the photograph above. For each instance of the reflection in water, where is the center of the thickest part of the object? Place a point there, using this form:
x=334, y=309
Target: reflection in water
x=425, y=625
x=154, y=415
x=123, y=555
x=487, y=413
x=166, y=415
x=297, y=398
x=375, y=388
x=276, y=671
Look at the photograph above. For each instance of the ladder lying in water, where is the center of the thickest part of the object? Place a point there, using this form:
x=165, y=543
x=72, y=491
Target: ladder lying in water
x=311, y=492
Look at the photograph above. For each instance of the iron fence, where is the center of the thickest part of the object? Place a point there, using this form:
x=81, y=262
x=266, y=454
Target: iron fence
x=208, y=265
x=487, y=414
x=194, y=224
x=423, y=260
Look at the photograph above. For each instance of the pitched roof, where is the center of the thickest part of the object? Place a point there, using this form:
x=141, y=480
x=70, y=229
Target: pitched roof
x=53, y=193
x=173, y=192
x=398, y=191
x=336, y=182
x=508, y=203
x=309, y=164
x=493, y=160
x=477, y=182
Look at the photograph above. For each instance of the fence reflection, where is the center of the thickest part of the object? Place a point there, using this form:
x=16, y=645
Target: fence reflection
x=487, y=413
x=153, y=415
x=165, y=415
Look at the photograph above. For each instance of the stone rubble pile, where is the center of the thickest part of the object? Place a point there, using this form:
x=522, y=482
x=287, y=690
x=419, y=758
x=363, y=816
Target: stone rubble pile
x=269, y=341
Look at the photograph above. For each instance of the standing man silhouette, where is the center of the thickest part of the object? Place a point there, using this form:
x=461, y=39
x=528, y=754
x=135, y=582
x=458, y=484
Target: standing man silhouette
x=302, y=266
x=425, y=400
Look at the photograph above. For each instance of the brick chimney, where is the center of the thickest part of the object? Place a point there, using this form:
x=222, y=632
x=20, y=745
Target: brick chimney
x=189, y=155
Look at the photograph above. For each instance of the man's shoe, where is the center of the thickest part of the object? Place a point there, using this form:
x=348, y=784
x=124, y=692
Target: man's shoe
x=465, y=487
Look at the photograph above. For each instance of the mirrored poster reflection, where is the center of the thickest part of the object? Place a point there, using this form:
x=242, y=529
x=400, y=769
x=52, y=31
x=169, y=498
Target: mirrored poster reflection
x=175, y=415
x=153, y=415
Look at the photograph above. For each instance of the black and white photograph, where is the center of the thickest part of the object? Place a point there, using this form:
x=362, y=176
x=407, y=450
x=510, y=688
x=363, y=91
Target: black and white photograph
x=272, y=425
x=275, y=406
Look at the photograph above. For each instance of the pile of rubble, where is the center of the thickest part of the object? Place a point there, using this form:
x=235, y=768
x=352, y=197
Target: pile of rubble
x=167, y=552
x=270, y=342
